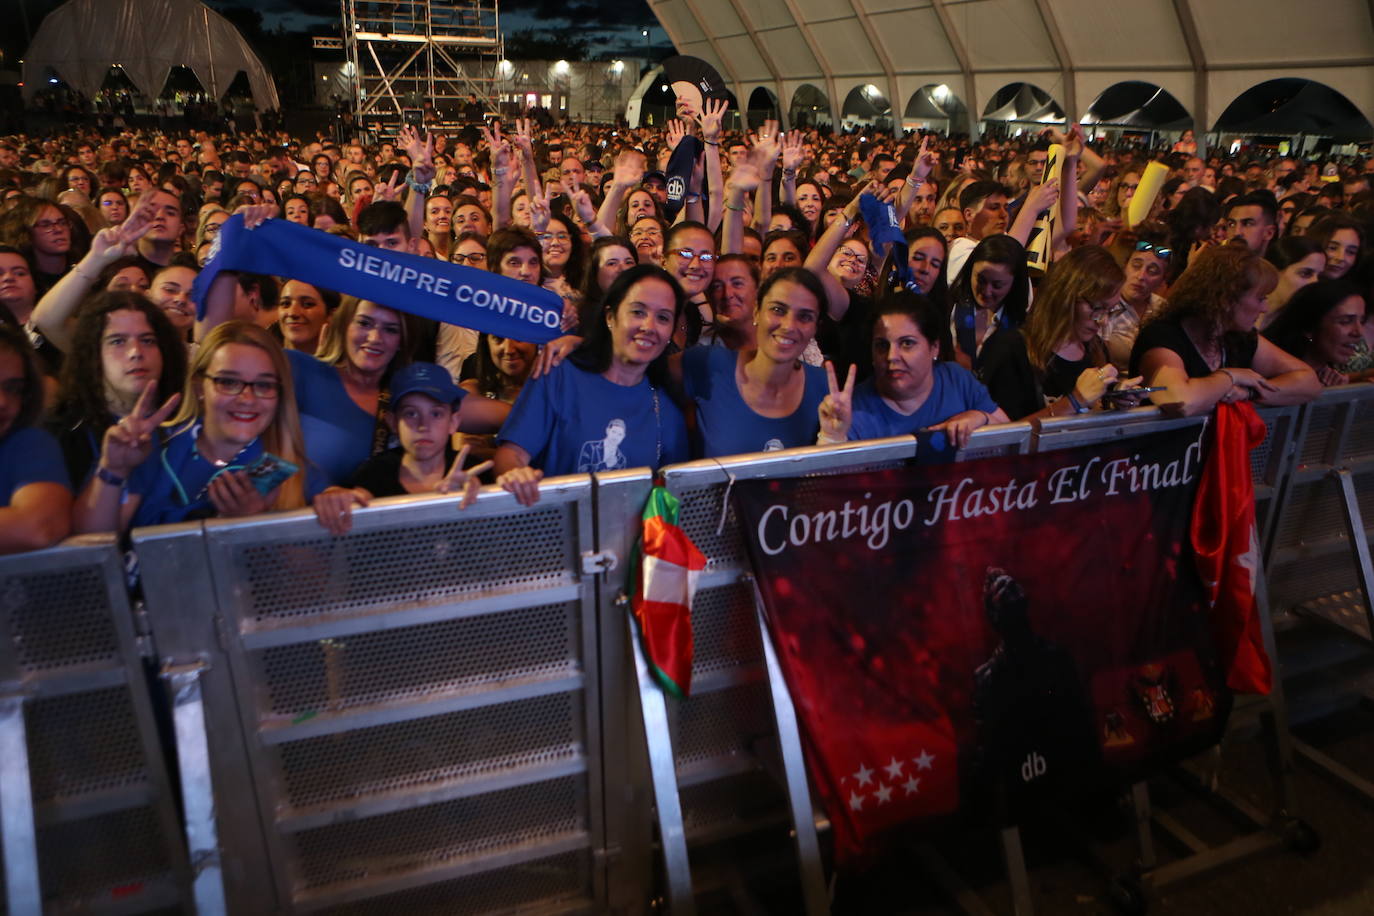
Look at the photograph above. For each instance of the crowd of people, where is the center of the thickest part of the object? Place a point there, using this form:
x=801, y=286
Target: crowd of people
x=722, y=292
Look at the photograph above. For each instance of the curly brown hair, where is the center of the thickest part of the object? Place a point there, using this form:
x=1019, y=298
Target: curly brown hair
x=1215, y=280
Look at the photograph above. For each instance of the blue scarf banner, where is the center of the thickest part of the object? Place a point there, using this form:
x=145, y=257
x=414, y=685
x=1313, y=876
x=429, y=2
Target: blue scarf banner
x=887, y=238
x=452, y=293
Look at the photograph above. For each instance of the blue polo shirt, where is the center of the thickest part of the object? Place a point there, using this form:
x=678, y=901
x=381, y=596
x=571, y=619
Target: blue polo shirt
x=29, y=455
x=175, y=460
x=954, y=391
x=727, y=425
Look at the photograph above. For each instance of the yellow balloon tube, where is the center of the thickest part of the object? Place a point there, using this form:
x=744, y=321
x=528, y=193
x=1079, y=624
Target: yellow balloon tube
x=1144, y=200
x=1039, y=250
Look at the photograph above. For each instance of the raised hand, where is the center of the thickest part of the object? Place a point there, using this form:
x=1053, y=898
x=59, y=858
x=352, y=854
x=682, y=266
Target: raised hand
x=581, y=201
x=1074, y=142
x=254, y=215
x=539, y=211
x=926, y=160
x=1043, y=196
x=462, y=481
x=792, y=152
x=391, y=190
x=711, y=117
x=676, y=131
x=129, y=442
x=524, y=138
x=628, y=171
x=744, y=177
x=767, y=146
x=836, y=411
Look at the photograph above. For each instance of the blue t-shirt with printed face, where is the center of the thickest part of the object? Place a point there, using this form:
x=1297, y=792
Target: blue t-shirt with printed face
x=954, y=390
x=29, y=455
x=173, y=481
x=574, y=421
x=337, y=432
x=729, y=426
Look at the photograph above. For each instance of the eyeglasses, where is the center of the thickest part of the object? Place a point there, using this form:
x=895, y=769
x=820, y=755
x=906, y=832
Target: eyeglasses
x=688, y=254
x=1100, y=312
x=48, y=225
x=554, y=236
x=477, y=257
x=1158, y=250
x=263, y=389
x=848, y=254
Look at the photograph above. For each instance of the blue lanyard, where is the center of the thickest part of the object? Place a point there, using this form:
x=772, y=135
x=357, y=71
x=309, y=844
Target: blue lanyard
x=182, y=499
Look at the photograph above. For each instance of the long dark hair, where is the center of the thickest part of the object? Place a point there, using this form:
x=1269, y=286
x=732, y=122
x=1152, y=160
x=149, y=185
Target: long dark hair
x=1004, y=250
x=939, y=293
x=13, y=339
x=1292, y=331
x=81, y=389
x=594, y=355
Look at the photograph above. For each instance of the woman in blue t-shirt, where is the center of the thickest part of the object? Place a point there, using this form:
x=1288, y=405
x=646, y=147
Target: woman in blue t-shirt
x=604, y=408
x=916, y=384
x=764, y=398
x=238, y=406
x=35, y=497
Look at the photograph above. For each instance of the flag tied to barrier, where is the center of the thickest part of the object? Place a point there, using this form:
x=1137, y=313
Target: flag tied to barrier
x=452, y=293
x=666, y=572
x=969, y=638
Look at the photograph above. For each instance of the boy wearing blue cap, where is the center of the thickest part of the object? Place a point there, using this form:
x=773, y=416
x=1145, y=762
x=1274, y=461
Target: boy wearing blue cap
x=424, y=415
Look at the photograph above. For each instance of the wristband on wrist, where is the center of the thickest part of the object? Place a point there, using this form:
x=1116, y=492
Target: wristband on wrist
x=1077, y=405
x=105, y=475
x=416, y=186
x=1227, y=373
x=739, y=209
x=711, y=142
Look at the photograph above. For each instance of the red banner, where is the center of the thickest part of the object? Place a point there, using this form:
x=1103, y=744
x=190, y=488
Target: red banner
x=964, y=638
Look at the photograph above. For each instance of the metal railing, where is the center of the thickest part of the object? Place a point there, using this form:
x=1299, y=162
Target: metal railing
x=447, y=711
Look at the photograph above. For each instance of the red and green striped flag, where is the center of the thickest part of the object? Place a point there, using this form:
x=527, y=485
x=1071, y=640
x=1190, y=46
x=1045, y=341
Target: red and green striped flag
x=666, y=570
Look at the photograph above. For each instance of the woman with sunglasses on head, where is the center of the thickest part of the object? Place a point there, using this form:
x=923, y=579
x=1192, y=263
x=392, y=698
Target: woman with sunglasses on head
x=1202, y=345
x=1146, y=263
x=237, y=407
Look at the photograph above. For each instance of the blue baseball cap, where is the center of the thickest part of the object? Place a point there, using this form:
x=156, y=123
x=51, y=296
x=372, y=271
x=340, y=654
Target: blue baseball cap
x=427, y=379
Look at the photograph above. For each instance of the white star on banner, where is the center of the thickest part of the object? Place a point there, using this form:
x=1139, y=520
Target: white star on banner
x=894, y=769
x=925, y=761
x=864, y=775
x=884, y=794
x=856, y=801
x=912, y=785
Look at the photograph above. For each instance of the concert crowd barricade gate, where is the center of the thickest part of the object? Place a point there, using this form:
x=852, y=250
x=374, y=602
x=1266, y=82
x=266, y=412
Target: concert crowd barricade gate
x=441, y=705
x=89, y=818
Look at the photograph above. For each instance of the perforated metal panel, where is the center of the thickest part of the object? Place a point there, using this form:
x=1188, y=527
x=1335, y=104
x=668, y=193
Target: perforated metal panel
x=406, y=565
x=419, y=703
x=106, y=821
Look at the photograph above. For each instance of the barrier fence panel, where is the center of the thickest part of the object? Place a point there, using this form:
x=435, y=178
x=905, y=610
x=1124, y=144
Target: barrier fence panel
x=90, y=823
x=418, y=702
x=1319, y=548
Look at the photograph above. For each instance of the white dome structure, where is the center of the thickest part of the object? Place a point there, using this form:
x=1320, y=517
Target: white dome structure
x=1205, y=53
x=82, y=39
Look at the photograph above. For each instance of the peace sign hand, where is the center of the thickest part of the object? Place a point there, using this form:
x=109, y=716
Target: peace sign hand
x=926, y=160
x=459, y=480
x=539, y=211
x=391, y=190
x=836, y=411
x=128, y=443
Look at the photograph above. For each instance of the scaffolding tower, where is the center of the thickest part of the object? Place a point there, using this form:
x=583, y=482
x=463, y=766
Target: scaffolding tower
x=420, y=55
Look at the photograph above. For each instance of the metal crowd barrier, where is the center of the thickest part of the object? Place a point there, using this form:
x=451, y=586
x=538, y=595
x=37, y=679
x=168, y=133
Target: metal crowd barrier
x=87, y=816
x=403, y=719
x=438, y=712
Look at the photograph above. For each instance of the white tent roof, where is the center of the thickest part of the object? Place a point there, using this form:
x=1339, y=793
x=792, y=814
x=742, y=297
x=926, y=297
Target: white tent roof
x=82, y=39
x=1204, y=52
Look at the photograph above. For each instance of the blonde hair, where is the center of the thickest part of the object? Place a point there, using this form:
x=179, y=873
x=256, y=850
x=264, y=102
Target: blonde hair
x=283, y=436
x=1089, y=274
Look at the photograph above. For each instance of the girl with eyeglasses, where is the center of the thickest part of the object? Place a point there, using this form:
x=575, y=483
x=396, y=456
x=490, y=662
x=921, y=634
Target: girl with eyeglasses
x=1056, y=365
x=239, y=404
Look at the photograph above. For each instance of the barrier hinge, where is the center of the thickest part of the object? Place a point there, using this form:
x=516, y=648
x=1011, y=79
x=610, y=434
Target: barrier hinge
x=596, y=562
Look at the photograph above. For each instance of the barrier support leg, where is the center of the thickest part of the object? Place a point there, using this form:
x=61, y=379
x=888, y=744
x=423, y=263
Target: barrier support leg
x=1364, y=568
x=1015, y=863
x=1354, y=528
x=18, y=835
x=814, y=894
x=193, y=763
x=663, y=773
